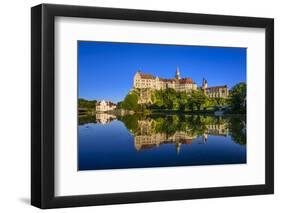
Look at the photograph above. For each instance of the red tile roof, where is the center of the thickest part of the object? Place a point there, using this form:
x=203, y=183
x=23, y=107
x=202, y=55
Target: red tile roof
x=181, y=81
x=186, y=81
x=166, y=80
x=146, y=76
x=216, y=87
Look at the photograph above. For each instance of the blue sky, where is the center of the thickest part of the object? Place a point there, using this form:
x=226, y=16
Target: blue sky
x=106, y=69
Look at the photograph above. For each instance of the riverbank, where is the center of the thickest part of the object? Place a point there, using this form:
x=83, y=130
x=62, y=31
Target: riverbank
x=206, y=112
x=122, y=112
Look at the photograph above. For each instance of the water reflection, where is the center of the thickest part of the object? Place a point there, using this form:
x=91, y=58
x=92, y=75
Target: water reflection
x=104, y=118
x=181, y=133
x=149, y=132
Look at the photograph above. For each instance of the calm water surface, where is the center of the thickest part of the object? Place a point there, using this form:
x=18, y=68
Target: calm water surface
x=137, y=141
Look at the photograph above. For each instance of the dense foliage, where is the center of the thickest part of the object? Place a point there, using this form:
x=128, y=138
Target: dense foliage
x=87, y=104
x=130, y=102
x=182, y=101
x=193, y=125
x=237, y=128
x=237, y=100
x=85, y=119
x=171, y=100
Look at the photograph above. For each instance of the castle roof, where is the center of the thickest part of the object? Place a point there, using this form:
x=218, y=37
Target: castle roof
x=181, y=81
x=186, y=81
x=216, y=87
x=146, y=76
x=166, y=80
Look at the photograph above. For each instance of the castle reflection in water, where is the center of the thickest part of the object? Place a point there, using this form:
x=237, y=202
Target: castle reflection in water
x=153, y=131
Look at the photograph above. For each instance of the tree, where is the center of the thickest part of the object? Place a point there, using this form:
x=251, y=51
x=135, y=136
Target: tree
x=219, y=101
x=130, y=102
x=198, y=98
x=88, y=104
x=191, y=105
x=183, y=101
x=237, y=128
x=237, y=99
x=166, y=99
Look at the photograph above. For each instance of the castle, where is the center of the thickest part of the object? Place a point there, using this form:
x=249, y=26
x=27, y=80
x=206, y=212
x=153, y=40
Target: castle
x=147, y=83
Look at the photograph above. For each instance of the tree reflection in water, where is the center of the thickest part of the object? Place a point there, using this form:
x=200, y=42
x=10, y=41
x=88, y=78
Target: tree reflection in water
x=155, y=129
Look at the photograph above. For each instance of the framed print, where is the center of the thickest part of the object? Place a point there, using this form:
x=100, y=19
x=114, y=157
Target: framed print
x=139, y=106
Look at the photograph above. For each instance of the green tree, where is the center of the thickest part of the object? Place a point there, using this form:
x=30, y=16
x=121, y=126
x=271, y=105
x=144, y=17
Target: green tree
x=88, y=104
x=183, y=101
x=166, y=99
x=130, y=102
x=198, y=99
x=219, y=101
x=237, y=128
x=237, y=99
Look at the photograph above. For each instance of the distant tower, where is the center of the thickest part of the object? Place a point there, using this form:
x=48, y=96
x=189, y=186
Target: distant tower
x=178, y=73
x=204, y=85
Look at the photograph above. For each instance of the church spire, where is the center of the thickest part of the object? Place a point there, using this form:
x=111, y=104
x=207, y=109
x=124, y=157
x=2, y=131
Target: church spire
x=178, y=73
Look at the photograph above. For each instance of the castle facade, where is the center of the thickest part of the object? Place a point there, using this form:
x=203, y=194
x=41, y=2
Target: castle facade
x=216, y=91
x=147, y=83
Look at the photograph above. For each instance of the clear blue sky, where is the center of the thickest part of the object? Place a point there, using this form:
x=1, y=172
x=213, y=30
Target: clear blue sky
x=106, y=69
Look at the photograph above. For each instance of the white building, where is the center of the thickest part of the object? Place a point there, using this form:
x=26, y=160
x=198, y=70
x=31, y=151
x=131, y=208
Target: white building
x=104, y=106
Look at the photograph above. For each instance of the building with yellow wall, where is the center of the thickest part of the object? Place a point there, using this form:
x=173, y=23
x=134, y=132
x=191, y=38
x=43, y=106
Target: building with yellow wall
x=146, y=83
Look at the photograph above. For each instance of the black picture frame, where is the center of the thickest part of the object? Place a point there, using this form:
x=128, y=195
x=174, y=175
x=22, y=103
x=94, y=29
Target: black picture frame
x=43, y=110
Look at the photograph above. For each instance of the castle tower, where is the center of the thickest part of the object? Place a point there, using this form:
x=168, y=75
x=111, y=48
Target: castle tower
x=178, y=74
x=204, y=85
x=137, y=77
